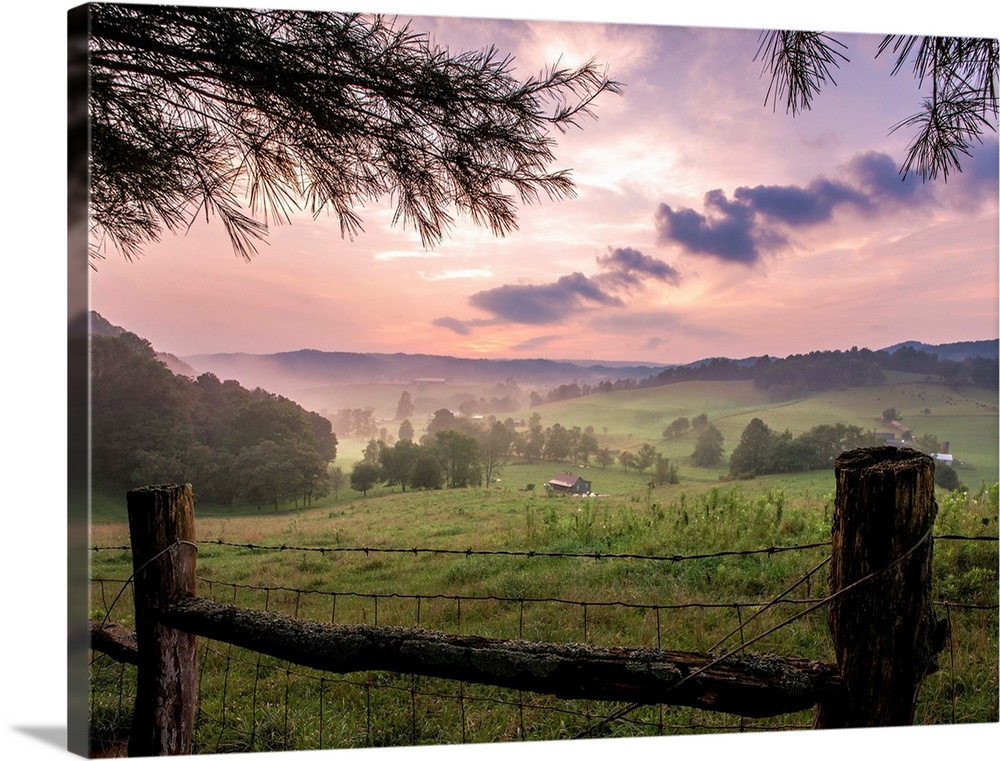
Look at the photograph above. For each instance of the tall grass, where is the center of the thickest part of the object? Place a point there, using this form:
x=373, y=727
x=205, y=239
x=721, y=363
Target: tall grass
x=249, y=702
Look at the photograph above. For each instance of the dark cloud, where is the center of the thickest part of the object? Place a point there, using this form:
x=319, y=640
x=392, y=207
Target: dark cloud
x=977, y=184
x=984, y=165
x=631, y=266
x=797, y=206
x=879, y=178
x=543, y=304
x=741, y=229
x=728, y=235
x=624, y=270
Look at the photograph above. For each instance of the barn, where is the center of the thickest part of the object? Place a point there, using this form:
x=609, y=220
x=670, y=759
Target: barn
x=567, y=483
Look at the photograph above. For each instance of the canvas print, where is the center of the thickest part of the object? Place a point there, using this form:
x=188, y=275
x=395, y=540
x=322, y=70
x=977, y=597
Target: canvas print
x=442, y=380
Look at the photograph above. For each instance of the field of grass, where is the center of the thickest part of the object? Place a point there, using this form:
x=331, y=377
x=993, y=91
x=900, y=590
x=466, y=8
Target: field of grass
x=607, y=601
x=249, y=702
x=628, y=419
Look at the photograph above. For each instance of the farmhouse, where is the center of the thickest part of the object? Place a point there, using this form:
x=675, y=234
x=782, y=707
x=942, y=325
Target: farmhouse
x=567, y=483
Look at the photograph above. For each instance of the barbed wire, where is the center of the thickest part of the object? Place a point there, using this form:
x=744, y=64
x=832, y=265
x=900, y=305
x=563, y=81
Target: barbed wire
x=469, y=552
x=791, y=619
x=543, y=600
x=597, y=555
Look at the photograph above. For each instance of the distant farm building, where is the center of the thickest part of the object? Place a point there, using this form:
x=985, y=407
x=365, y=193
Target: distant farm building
x=567, y=483
x=889, y=440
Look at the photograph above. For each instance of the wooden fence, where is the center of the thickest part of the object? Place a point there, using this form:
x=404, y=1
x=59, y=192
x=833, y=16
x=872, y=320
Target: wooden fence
x=885, y=634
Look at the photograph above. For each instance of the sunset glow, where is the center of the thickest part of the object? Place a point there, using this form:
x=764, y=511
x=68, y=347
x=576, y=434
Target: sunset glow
x=706, y=223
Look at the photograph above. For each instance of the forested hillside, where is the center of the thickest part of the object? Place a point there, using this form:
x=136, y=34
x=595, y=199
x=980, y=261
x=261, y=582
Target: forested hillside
x=151, y=426
x=800, y=374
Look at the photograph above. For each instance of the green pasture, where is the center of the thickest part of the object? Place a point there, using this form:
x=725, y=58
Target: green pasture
x=323, y=563
x=326, y=563
x=625, y=420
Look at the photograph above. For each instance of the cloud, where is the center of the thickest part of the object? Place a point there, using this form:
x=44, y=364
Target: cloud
x=463, y=329
x=533, y=344
x=654, y=343
x=543, y=304
x=879, y=178
x=630, y=266
x=468, y=274
x=388, y=256
x=729, y=235
x=656, y=324
x=797, y=206
x=623, y=270
x=746, y=227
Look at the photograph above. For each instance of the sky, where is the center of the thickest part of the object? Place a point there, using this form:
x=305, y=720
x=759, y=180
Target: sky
x=706, y=223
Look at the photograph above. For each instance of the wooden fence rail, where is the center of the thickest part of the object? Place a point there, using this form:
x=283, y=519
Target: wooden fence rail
x=886, y=636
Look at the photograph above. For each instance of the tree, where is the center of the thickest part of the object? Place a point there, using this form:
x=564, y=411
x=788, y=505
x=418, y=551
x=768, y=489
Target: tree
x=750, y=456
x=946, y=476
x=664, y=472
x=373, y=451
x=890, y=414
x=405, y=406
x=532, y=440
x=605, y=457
x=336, y=479
x=962, y=74
x=558, y=442
x=406, y=431
x=645, y=457
x=627, y=460
x=494, y=449
x=708, y=451
x=676, y=428
x=364, y=475
x=427, y=472
x=193, y=107
x=928, y=443
x=397, y=463
x=458, y=454
x=585, y=446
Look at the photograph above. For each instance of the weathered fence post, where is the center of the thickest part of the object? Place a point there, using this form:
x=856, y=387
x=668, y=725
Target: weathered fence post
x=884, y=630
x=161, y=523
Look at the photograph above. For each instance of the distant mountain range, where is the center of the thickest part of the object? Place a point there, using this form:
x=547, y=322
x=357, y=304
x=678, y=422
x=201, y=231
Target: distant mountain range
x=287, y=372
x=311, y=368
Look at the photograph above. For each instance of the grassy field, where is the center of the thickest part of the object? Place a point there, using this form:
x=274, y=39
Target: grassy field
x=254, y=703
x=249, y=702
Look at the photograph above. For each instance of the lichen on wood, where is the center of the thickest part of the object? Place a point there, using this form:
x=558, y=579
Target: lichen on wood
x=752, y=686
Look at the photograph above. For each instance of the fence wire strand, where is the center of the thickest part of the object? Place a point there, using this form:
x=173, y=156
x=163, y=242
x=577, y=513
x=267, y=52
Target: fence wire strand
x=422, y=689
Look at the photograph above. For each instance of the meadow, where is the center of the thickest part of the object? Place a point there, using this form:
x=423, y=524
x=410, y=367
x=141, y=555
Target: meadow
x=427, y=559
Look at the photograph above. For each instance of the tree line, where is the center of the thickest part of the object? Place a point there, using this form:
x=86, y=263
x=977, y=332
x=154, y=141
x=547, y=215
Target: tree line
x=457, y=452
x=799, y=375
x=762, y=450
x=234, y=444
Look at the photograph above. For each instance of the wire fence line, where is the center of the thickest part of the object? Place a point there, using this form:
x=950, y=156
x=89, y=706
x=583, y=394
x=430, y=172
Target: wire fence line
x=469, y=552
x=268, y=701
x=742, y=604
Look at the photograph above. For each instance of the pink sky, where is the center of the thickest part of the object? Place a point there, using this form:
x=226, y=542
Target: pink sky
x=811, y=241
